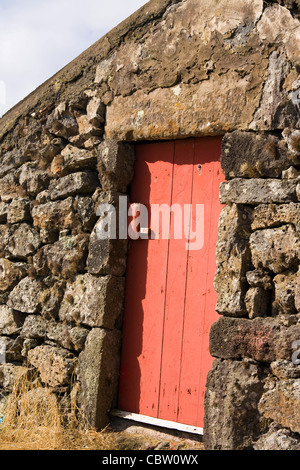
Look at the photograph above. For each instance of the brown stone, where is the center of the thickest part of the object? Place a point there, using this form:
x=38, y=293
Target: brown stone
x=275, y=249
x=259, y=155
x=55, y=365
x=282, y=404
x=93, y=301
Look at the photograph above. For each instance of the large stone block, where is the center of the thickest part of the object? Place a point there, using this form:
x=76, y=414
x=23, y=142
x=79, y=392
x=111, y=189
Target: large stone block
x=73, y=184
x=262, y=339
x=274, y=215
x=24, y=241
x=250, y=155
x=232, y=419
x=26, y=297
x=115, y=165
x=233, y=260
x=275, y=249
x=257, y=191
x=93, y=301
x=98, y=371
x=282, y=404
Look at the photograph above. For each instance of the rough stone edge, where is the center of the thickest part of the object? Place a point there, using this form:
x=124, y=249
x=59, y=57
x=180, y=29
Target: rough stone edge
x=73, y=76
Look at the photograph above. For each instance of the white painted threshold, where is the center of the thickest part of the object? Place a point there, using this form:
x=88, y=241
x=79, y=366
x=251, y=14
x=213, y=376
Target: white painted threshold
x=157, y=422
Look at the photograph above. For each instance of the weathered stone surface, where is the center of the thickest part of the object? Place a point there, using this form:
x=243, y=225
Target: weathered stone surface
x=284, y=369
x=10, y=188
x=73, y=159
x=55, y=365
x=277, y=439
x=233, y=258
x=18, y=211
x=3, y=212
x=11, y=348
x=115, y=165
x=106, y=256
x=232, y=338
x=229, y=414
x=93, y=301
x=32, y=179
x=262, y=339
x=275, y=249
x=52, y=217
x=85, y=207
x=12, y=160
x=64, y=258
x=10, y=321
x=257, y=191
x=284, y=301
x=259, y=278
x=75, y=183
x=282, y=404
x=250, y=155
x=26, y=296
x=10, y=375
x=258, y=302
x=24, y=240
x=11, y=274
x=98, y=370
x=34, y=327
x=274, y=215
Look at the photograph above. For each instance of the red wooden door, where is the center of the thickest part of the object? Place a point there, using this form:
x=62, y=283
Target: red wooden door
x=170, y=299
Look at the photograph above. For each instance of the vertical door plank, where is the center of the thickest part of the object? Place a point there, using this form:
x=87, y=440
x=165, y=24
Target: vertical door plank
x=176, y=285
x=200, y=299
x=145, y=288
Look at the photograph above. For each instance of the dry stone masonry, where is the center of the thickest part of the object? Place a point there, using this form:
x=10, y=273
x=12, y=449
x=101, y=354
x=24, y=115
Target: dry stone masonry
x=175, y=69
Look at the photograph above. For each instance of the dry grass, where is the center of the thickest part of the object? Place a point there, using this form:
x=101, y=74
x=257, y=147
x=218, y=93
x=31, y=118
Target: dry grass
x=35, y=420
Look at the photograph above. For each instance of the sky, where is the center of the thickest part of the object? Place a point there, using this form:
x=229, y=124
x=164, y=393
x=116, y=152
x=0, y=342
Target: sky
x=39, y=37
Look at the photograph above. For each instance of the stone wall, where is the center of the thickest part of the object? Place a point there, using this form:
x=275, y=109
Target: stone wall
x=175, y=69
x=253, y=390
x=62, y=289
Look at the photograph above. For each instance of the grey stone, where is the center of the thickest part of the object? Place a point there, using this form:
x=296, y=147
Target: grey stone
x=26, y=296
x=258, y=302
x=277, y=440
x=34, y=327
x=18, y=211
x=73, y=184
x=233, y=260
x=24, y=241
x=284, y=300
x=98, y=371
x=115, y=165
x=257, y=191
